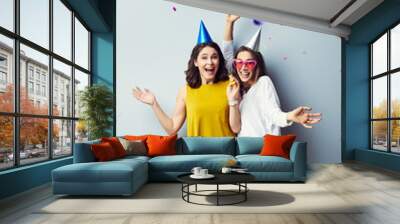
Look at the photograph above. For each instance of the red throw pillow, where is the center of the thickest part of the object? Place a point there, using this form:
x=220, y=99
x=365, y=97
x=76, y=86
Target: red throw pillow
x=161, y=145
x=277, y=145
x=103, y=151
x=116, y=145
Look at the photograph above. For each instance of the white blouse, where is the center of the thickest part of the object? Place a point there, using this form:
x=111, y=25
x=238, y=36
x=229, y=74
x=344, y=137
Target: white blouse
x=260, y=111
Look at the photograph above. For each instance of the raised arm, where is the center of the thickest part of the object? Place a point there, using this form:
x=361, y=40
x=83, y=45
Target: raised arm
x=170, y=124
x=230, y=21
x=227, y=44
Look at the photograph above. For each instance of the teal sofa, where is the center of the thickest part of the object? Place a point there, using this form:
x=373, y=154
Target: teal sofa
x=125, y=176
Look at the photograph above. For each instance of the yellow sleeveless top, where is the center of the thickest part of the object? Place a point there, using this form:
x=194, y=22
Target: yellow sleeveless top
x=207, y=110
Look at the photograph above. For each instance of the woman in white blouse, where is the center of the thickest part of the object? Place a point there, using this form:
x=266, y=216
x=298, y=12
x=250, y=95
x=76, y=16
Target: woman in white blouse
x=259, y=106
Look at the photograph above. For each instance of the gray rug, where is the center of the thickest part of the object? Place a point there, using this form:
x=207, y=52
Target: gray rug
x=166, y=198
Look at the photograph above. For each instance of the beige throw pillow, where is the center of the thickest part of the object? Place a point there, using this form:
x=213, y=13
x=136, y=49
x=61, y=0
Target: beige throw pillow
x=137, y=147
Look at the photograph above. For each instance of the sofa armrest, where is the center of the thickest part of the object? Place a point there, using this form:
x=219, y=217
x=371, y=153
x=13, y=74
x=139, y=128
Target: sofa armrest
x=83, y=153
x=298, y=155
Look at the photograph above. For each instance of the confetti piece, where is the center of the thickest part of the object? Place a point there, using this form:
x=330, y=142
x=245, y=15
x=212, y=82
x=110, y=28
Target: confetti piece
x=304, y=52
x=269, y=38
x=257, y=22
x=285, y=58
x=174, y=8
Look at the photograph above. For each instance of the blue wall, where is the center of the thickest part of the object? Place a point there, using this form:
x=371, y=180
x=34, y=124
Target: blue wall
x=102, y=61
x=357, y=84
x=100, y=16
x=24, y=178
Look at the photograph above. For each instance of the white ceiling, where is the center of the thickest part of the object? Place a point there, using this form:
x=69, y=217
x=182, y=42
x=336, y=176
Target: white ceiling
x=326, y=16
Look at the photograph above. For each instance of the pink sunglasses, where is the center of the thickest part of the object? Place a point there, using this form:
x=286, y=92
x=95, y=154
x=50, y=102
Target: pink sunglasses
x=250, y=64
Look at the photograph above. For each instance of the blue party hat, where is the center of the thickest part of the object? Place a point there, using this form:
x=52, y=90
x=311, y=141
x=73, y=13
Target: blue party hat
x=204, y=36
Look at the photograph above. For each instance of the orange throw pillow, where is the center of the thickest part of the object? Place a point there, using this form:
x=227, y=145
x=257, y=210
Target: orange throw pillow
x=277, y=145
x=103, y=151
x=136, y=137
x=161, y=145
x=116, y=145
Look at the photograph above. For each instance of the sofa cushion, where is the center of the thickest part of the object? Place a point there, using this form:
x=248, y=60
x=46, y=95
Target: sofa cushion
x=257, y=163
x=249, y=145
x=111, y=171
x=185, y=163
x=131, y=158
x=206, y=145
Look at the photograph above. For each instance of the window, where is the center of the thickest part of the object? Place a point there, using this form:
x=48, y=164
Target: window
x=81, y=45
x=62, y=140
x=37, y=74
x=3, y=61
x=43, y=77
x=3, y=73
x=7, y=14
x=62, y=29
x=81, y=81
x=30, y=87
x=385, y=91
x=35, y=21
x=55, y=126
x=3, y=78
x=38, y=89
x=43, y=90
x=7, y=142
x=30, y=72
x=62, y=75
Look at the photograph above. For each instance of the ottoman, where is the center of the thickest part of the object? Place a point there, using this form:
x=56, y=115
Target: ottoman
x=118, y=177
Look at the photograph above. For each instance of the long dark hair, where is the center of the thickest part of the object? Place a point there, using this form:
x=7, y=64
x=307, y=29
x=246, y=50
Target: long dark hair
x=193, y=78
x=258, y=71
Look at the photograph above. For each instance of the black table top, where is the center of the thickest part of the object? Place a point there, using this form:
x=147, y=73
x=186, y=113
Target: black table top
x=220, y=178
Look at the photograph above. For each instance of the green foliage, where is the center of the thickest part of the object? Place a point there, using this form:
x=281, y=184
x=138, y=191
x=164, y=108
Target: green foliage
x=380, y=127
x=97, y=104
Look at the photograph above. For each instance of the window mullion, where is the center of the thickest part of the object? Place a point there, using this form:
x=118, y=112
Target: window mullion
x=73, y=82
x=16, y=83
x=370, y=98
x=50, y=81
x=389, y=113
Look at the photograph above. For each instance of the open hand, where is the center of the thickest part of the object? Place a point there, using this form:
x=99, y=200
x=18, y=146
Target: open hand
x=145, y=96
x=231, y=18
x=302, y=116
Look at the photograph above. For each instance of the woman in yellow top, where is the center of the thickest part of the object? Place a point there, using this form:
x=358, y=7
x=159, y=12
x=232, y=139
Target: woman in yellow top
x=203, y=101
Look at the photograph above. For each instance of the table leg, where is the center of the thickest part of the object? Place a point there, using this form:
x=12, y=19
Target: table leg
x=217, y=194
x=245, y=193
x=196, y=188
x=188, y=189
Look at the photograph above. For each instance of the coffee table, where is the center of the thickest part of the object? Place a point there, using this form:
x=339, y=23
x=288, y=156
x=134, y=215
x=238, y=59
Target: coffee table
x=238, y=179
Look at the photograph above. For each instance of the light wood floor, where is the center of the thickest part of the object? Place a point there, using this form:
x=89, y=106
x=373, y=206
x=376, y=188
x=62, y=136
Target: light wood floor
x=378, y=188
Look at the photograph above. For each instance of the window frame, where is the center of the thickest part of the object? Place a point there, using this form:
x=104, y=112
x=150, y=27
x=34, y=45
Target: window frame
x=15, y=72
x=388, y=74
